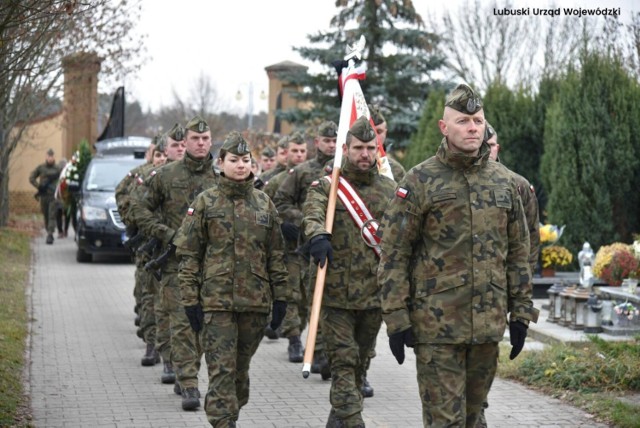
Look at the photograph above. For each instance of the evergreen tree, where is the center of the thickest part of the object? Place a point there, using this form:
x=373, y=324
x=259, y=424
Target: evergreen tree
x=591, y=154
x=425, y=142
x=512, y=114
x=400, y=57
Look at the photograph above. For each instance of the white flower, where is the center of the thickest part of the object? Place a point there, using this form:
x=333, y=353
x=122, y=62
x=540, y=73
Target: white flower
x=76, y=177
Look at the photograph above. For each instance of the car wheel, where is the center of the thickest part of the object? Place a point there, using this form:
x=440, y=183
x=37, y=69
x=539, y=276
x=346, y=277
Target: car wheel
x=83, y=257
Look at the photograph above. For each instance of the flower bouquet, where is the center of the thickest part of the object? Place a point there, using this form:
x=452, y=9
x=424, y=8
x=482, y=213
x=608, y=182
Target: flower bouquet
x=550, y=233
x=555, y=257
x=626, y=313
x=615, y=262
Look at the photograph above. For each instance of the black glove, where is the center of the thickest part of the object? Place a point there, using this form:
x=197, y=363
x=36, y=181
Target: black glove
x=321, y=250
x=290, y=231
x=517, y=335
x=196, y=316
x=397, y=342
x=278, y=313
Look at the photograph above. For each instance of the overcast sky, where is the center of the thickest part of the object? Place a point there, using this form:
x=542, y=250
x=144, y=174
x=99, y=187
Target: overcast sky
x=233, y=41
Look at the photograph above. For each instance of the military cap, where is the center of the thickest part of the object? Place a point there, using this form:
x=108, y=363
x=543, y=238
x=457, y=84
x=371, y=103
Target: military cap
x=50, y=152
x=177, y=132
x=376, y=114
x=197, y=124
x=488, y=131
x=328, y=129
x=268, y=152
x=362, y=130
x=296, y=138
x=235, y=144
x=464, y=99
x=283, y=142
x=160, y=141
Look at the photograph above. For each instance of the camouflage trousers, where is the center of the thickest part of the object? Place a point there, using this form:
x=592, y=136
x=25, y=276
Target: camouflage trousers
x=48, y=210
x=147, y=306
x=186, y=351
x=139, y=282
x=163, y=323
x=454, y=381
x=349, y=336
x=297, y=314
x=229, y=340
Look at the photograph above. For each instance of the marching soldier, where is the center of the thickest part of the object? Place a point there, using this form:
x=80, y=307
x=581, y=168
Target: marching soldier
x=455, y=250
x=45, y=178
x=351, y=315
x=289, y=199
x=381, y=126
x=154, y=315
x=169, y=191
x=232, y=274
x=281, y=160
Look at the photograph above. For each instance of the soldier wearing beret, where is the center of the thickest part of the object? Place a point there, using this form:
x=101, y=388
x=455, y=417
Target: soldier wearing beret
x=232, y=275
x=267, y=159
x=289, y=198
x=351, y=315
x=381, y=126
x=45, y=179
x=296, y=154
x=168, y=192
x=455, y=250
x=281, y=161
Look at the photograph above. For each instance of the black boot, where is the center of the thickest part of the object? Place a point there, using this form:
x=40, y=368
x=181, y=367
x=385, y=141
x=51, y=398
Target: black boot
x=49, y=239
x=168, y=375
x=151, y=356
x=190, y=398
x=320, y=365
x=295, y=349
x=366, y=389
x=176, y=388
x=270, y=333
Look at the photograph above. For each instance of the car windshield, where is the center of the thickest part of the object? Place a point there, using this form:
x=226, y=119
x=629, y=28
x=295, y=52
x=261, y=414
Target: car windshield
x=105, y=175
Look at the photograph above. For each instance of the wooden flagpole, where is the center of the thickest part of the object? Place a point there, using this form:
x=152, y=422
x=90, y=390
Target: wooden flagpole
x=352, y=100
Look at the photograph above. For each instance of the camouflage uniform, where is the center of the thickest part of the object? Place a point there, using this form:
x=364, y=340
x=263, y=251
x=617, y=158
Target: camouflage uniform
x=233, y=265
x=266, y=176
x=289, y=197
x=169, y=191
x=351, y=314
x=48, y=175
x=455, y=251
x=397, y=169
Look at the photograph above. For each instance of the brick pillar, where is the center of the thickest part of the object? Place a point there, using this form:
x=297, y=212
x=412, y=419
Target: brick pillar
x=80, y=99
x=280, y=94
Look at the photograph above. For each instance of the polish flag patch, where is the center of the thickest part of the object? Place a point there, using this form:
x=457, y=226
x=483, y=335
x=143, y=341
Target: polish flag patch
x=153, y=173
x=532, y=189
x=315, y=183
x=190, y=211
x=402, y=192
x=140, y=180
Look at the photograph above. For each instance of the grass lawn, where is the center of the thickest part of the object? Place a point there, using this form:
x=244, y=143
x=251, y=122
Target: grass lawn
x=15, y=261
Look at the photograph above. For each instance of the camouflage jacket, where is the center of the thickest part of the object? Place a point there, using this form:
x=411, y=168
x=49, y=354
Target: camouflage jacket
x=351, y=281
x=48, y=175
x=397, y=169
x=165, y=196
x=530, y=205
x=123, y=191
x=292, y=192
x=269, y=174
x=455, y=251
x=273, y=184
x=231, y=250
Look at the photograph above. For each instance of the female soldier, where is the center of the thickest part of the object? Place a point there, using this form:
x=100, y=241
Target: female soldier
x=232, y=272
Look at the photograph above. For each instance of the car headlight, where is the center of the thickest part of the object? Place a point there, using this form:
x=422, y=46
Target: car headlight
x=94, y=213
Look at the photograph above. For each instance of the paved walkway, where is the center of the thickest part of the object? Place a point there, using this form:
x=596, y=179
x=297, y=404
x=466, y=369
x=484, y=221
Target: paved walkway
x=85, y=366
